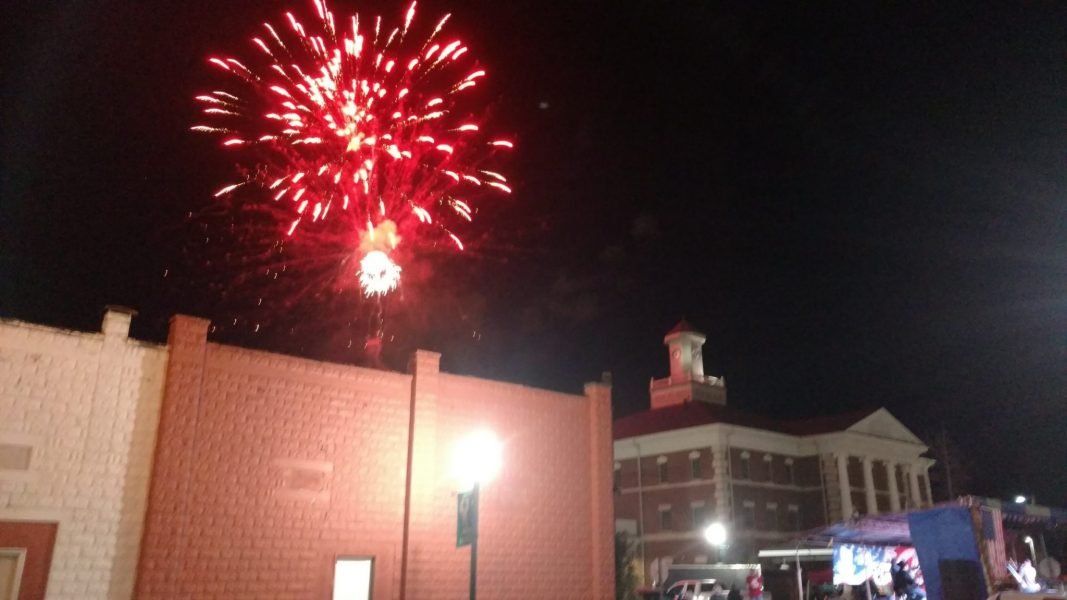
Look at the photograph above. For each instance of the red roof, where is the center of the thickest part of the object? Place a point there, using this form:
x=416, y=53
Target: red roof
x=692, y=414
x=681, y=327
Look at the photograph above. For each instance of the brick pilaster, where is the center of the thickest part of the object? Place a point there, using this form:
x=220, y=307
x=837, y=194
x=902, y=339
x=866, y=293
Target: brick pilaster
x=420, y=488
x=601, y=465
x=169, y=507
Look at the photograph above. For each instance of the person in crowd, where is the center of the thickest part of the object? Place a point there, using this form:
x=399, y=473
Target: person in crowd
x=1028, y=577
x=904, y=584
x=754, y=582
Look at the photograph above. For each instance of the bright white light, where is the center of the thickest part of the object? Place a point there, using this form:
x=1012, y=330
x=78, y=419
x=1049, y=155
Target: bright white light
x=351, y=579
x=378, y=274
x=1020, y=499
x=476, y=458
x=1028, y=540
x=715, y=534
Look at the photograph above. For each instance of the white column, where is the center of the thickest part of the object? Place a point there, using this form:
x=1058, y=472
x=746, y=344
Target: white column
x=913, y=483
x=894, y=492
x=846, y=490
x=868, y=486
x=929, y=492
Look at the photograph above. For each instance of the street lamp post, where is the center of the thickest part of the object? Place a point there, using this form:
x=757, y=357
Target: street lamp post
x=476, y=460
x=715, y=534
x=474, y=544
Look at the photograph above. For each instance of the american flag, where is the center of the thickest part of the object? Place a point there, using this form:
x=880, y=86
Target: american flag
x=993, y=538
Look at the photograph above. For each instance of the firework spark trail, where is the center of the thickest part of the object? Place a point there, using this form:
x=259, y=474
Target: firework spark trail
x=360, y=125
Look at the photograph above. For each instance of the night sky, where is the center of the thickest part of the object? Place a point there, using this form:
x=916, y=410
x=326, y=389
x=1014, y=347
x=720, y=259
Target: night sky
x=861, y=207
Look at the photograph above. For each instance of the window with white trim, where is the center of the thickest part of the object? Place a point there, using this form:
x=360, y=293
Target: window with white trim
x=666, y=523
x=617, y=476
x=661, y=469
x=697, y=515
x=772, y=517
x=794, y=517
x=790, y=472
x=744, y=469
x=748, y=515
x=696, y=470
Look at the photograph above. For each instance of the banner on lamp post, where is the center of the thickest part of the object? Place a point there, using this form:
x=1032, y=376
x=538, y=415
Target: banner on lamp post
x=466, y=518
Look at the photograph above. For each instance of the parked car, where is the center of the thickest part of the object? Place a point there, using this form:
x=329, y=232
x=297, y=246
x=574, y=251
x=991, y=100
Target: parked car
x=694, y=589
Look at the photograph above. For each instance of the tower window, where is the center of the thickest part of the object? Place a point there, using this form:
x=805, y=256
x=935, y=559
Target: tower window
x=790, y=473
x=696, y=470
x=661, y=469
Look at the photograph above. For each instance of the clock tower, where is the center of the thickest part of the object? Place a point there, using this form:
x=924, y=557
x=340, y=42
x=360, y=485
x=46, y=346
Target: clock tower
x=687, y=381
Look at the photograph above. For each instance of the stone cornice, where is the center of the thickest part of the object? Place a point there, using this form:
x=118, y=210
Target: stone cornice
x=718, y=434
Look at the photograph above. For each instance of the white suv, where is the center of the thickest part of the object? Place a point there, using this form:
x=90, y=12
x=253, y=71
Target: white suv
x=694, y=589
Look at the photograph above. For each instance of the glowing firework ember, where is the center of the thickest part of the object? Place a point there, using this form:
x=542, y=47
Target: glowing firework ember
x=354, y=121
x=378, y=274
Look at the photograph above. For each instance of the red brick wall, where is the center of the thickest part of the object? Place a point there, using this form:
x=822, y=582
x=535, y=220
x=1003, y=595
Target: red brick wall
x=679, y=469
x=807, y=471
x=680, y=499
x=268, y=467
x=680, y=492
x=808, y=503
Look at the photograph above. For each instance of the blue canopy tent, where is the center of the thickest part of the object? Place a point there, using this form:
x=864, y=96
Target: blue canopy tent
x=960, y=544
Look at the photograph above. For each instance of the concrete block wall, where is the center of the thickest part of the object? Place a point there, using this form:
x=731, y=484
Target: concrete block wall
x=86, y=404
x=268, y=467
x=546, y=523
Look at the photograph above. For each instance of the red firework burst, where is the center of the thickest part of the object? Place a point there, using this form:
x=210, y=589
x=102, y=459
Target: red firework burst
x=364, y=124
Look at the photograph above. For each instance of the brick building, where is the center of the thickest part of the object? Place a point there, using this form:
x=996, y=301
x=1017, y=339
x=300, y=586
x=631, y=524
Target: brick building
x=269, y=471
x=77, y=430
x=702, y=461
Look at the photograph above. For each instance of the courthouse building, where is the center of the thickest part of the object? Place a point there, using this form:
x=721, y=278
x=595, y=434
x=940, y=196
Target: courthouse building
x=692, y=460
x=201, y=470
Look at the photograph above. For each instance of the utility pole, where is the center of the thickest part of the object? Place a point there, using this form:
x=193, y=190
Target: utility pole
x=948, y=463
